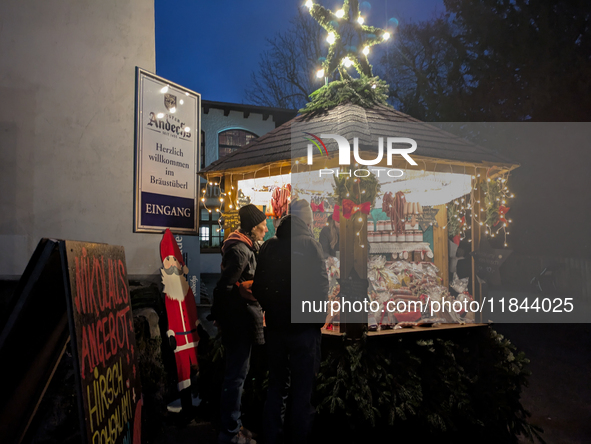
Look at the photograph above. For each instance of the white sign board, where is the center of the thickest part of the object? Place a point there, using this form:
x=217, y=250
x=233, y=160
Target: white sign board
x=167, y=133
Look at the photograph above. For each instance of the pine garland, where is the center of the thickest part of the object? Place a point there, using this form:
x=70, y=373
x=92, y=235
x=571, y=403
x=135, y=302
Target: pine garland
x=434, y=386
x=492, y=201
x=356, y=189
x=365, y=92
x=453, y=221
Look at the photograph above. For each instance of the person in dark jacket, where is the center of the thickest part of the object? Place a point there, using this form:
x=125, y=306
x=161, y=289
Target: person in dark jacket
x=329, y=236
x=291, y=270
x=239, y=317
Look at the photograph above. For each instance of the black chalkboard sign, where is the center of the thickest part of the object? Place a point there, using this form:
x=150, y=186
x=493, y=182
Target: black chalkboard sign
x=231, y=221
x=84, y=285
x=101, y=329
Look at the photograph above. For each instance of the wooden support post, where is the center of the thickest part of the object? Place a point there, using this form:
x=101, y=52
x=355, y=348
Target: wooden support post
x=353, y=257
x=441, y=244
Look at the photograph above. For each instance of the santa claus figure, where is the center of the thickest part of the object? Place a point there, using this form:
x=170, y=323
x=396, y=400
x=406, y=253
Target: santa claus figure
x=182, y=315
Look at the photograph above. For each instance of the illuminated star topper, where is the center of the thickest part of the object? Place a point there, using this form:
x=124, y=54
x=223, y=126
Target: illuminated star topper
x=348, y=37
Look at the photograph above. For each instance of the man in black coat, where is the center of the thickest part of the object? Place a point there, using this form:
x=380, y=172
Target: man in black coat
x=291, y=271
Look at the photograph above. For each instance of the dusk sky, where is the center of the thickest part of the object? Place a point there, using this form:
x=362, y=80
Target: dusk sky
x=212, y=47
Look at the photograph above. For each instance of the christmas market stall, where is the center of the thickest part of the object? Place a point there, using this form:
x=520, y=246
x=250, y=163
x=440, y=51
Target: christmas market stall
x=400, y=224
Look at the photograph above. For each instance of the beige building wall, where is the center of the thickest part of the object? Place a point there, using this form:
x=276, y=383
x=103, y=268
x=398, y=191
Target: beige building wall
x=67, y=86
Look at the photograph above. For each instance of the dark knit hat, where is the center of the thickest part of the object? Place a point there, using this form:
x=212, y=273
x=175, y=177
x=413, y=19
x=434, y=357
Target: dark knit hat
x=301, y=208
x=250, y=217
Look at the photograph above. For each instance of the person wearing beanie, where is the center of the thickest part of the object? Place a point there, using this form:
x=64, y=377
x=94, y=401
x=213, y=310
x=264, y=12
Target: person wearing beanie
x=239, y=317
x=291, y=270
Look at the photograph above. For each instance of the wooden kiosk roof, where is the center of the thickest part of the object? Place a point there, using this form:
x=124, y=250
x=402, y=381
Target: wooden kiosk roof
x=437, y=150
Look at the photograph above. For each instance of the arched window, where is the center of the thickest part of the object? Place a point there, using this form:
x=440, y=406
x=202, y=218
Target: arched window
x=230, y=140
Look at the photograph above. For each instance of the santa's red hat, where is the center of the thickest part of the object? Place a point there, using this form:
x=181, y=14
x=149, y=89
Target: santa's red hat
x=169, y=247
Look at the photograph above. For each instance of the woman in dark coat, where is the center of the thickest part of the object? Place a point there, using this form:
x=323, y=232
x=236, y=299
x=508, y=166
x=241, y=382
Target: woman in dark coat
x=239, y=317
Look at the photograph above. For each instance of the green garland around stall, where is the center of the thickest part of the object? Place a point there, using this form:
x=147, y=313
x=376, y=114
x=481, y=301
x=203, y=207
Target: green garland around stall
x=462, y=390
x=357, y=189
x=364, y=91
x=424, y=389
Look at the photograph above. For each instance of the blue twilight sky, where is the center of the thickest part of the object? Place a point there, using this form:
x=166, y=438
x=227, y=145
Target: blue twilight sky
x=213, y=46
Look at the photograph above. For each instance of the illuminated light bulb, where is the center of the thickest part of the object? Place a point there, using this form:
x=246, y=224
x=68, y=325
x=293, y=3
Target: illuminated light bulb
x=216, y=183
x=203, y=190
x=330, y=38
x=217, y=210
x=362, y=246
x=374, y=86
x=486, y=232
x=360, y=20
x=363, y=192
x=480, y=223
x=182, y=102
x=347, y=194
x=320, y=73
x=488, y=179
x=164, y=90
x=492, y=235
x=297, y=161
x=469, y=240
x=232, y=187
x=505, y=244
x=211, y=183
x=160, y=115
x=504, y=202
x=473, y=177
x=478, y=175
x=366, y=51
x=202, y=199
x=386, y=36
x=218, y=230
x=229, y=192
x=309, y=4
x=187, y=94
x=230, y=207
x=357, y=234
x=187, y=129
x=510, y=220
x=347, y=62
x=221, y=199
x=173, y=110
x=512, y=195
x=209, y=211
x=360, y=220
x=340, y=13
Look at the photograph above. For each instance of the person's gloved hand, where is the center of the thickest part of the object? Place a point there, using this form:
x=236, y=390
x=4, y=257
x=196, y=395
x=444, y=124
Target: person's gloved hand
x=172, y=342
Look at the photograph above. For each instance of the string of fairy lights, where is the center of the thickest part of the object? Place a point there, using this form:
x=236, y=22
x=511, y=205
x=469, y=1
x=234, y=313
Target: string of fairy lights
x=349, y=38
x=490, y=214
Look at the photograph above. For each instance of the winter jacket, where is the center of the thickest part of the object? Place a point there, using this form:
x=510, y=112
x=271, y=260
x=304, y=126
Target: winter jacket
x=324, y=240
x=291, y=270
x=236, y=315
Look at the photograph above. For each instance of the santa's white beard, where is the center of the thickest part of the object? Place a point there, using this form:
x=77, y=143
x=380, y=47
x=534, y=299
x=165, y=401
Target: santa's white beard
x=175, y=286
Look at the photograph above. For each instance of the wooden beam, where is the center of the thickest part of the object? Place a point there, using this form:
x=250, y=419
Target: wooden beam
x=441, y=245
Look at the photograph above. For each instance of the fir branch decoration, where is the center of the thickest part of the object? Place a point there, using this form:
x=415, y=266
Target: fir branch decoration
x=432, y=386
x=453, y=221
x=492, y=201
x=365, y=92
x=356, y=189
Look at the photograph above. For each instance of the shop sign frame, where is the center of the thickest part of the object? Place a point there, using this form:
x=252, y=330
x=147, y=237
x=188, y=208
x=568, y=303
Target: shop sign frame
x=166, y=156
